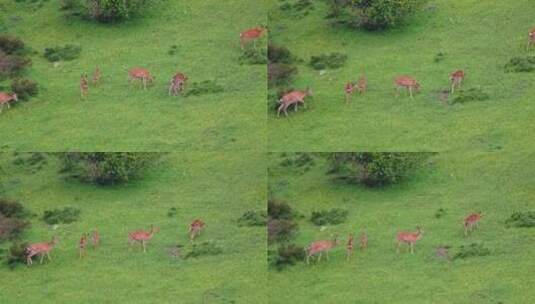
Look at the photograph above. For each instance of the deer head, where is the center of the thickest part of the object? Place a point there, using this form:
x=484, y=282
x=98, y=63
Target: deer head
x=15, y=97
x=309, y=91
x=154, y=229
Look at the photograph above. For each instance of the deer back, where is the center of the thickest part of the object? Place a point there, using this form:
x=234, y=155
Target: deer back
x=405, y=81
x=252, y=33
x=408, y=237
x=459, y=74
x=7, y=97
x=139, y=73
x=472, y=218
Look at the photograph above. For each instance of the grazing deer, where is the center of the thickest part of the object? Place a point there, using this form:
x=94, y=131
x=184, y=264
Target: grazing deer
x=140, y=74
x=195, y=228
x=40, y=249
x=531, y=38
x=95, y=239
x=471, y=222
x=84, y=86
x=97, y=75
x=349, y=89
x=82, y=245
x=408, y=83
x=142, y=236
x=349, y=246
x=363, y=240
x=252, y=34
x=293, y=98
x=177, y=83
x=409, y=237
x=456, y=79
x=361, y=86
x=318, y=247
x=6, y=98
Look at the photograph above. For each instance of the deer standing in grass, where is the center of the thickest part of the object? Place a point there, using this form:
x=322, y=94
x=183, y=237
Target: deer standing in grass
x=82, y=245
x=6, y=98
x=177, y=84
x=40, y=249
x=84, y=86
x=95, y=239
x=142, y=236
x=363, y=241
x=293, y=98
x=141, y=74
x=252, y=34
x=408, y=83
x=97, y=75
x=350, y=246
x=195, y=228
x=471, y=222
x=409, y=238
x=361, y=86
x=456, y=79
x=318, y=247
x=531, y=38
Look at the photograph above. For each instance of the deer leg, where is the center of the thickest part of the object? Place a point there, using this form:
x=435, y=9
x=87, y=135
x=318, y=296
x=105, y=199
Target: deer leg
x=410, y=91
x=319, y=257
x=304, y=104
x=48, y=256
x=411, y=247
x=397, y=247
x=279, y=110
x=286, y=110
x=296, y=106
x=144, y=248
x=41, y=260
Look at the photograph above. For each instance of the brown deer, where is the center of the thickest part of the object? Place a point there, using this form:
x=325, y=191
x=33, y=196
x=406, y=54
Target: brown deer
x=318, y=247
x=349, y=89
x=6, y=98
x=408, y=237
x=95, y=239
x=456, y=79
x=363, y=241
x=349, y=246
x=361, y=86
x=82, y=245
x=252, y=34
x=84, y=86
x=177, y=84
x=140, y=74
x=471, y=222
x=195, y=228
x=531, y=38
x=408, y=83
x=97, y=75
x=142, y=236
x=293, y=98
x=40, y=249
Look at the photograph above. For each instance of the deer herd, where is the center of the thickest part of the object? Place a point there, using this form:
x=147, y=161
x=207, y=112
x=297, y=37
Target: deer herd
x=140, y=236
x=409, y=238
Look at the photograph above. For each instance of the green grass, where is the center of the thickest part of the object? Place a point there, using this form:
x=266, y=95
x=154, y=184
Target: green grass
x=477, y=36
x=461, y=183
x=118, y=118
x=217, y=187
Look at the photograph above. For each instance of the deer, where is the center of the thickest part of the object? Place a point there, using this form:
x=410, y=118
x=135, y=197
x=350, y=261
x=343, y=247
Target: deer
x=409, y=237
x=95, y=239
x=177, y=83
x=318, y=247
x=363, y=241
x=142, y=236
x=531, y=38
x=97, y=75
x=140, y=74
x=252, y=34
x=349, y=89
x=6, y=98
x=293, y=98
x=195, y=228
x=471, y=222
x=82, y=245
x=361, y=86
x=349, y=246
x=84, y=86
x=406, y=82
x=456, y=79
x=40, y=249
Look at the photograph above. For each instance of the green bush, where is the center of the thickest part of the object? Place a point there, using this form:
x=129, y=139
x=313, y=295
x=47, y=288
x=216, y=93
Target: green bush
x=253, y=56
x=521, y=219
x=299, y=8
x=65, y=53
x=280, y=74
x=472, y=250
x=12, y=227
x=521, y=64
x=106, y=168
x=325, y=61
x=16, y=255
x=287, y=255
x=11, y=45
x=172, y=212
x=205, y=248
x=279, y=54
x=105, y=11
x=66, y=215
x=299, y=160
x=472, y=94
x=253, y=218
x=13, y=209
x=280, y=210
x=25, y=88
x=12, y=65
x=281, y=230
x=334, y=216
x=204, y=87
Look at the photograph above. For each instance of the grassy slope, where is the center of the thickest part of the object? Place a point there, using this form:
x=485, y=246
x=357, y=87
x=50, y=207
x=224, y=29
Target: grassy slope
x=496, y=183
x=116, y=118
x=216, y=187
x=477, y=36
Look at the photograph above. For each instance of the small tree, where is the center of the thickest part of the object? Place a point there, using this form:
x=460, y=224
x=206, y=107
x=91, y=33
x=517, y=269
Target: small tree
x=105, y=11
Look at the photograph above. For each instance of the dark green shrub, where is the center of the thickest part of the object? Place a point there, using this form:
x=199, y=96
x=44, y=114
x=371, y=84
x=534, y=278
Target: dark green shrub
x=204, y=87
x=299, y=160
x=375, y=169
x=25, y=88
x=12, y=65
x=281, y=230
x=334, y=216
x=287, y=255
x=13, y=209
x=65, y=53
x=12, y=227
x=11, y=45
x=105, y=11
x=279, y=54
x=472, y=250
x=280, y=210
x=280, y=74
x=106, y=168
x=172, y=212
x=253, y=56
x=521, y=219
x=521, y=64
x=472, y=94
x=205, y=248
x=440, y=213
x=325, y=61
x=253, y=218
x=299, y=8
x=66, y=215
x=173, y=50
x=16, y=255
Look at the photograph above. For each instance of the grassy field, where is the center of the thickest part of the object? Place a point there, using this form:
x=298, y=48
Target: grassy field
x=477, y=36
x=461, y=183
x=216, y=187
x=117, y=118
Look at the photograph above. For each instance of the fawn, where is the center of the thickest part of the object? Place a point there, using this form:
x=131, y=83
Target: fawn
x=95, y=239
x=531, y=38
x=456, y=79
x=84, y=86
x=177, y=83
x=195, y=228
x=349, y=246
x=40, y=249
x=293, y=98
x=471, y=222
x=97, y=75
x=6, y=98
x=140, y=74
x=361, y=86
x=318, y=247
x=82, y=245
x=408, y=237
x=406, y=82
x=363, y=240
x=252, y=34
x=141, y=236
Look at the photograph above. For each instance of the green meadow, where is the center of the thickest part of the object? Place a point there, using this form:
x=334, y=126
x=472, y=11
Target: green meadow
x=479, y=37
x=459, y=183
x=217, y=187
x=116, y=117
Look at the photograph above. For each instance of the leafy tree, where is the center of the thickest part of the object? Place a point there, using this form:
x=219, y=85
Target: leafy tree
x=105, y=11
